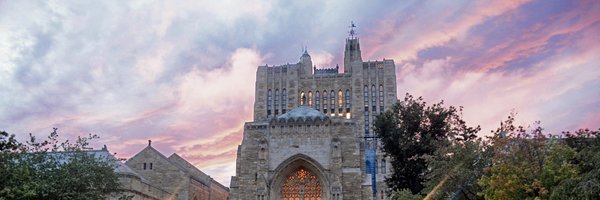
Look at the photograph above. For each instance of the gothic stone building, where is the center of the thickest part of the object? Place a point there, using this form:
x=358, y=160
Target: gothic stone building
x=174, y=175
x=311, y=137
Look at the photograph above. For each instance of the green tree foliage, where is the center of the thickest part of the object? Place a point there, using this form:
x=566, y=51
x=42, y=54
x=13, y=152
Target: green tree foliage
x=586, y=185
x=517, y=162
x=411, y=131
x=455, y=168
x=54, y=170
x=434, y=152
x=405, y=194
x=529, y=165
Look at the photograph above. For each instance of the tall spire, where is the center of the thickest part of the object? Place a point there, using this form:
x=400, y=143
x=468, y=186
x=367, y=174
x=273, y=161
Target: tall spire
x=352, y=51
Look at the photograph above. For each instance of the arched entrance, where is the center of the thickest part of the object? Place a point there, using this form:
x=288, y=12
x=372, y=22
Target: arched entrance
x=302, y=184
x=299, y=178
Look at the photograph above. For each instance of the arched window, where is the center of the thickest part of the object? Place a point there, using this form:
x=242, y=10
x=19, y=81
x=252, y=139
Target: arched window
x=269, y=99
x=302, y=98
x=373, y=99
x=318, y=101
x=276, y=106
x=347, y=100
x=366, y=96
x=325, y=101
x=310, y=99
x=381, y=98
x=332, y=101
x=340, y=102
x=283, y=100
x=301, y=184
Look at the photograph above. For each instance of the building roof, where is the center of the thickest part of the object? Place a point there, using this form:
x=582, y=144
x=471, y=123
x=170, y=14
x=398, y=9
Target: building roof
x=190, y=169
x=102, y=155
x=302, y=113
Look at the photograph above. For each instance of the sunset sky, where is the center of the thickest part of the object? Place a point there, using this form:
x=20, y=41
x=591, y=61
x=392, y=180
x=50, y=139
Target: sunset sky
x=182, y=73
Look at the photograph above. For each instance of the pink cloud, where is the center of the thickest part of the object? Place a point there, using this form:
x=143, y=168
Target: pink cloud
x=401, y=35
x=182, y=75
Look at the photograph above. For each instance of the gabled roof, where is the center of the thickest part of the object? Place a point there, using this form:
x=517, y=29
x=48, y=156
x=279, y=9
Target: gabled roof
x=190, y=169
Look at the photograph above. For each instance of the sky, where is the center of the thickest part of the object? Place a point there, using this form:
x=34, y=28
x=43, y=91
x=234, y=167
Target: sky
x=182, y=73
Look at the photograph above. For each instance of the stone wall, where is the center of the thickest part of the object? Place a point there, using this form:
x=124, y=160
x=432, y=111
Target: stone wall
x=218, y=191
x=163, y=173
x=334, y=146
x=176, y=176
x=139, y=189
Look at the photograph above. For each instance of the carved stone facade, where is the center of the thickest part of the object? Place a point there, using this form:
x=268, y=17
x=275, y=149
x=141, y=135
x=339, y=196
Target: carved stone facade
x=313, y=126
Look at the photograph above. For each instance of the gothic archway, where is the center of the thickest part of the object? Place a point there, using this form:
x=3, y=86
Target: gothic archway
x=301, y=184
x=299, y=177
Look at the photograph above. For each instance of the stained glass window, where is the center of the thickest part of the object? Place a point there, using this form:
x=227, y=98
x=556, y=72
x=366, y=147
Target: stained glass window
x=301, y=184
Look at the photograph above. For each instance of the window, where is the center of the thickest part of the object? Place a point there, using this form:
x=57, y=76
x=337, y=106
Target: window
x=347, y=100
x=150, y=165
x=340, y=101
x=269, y=98
x=144, y=166
x=276, y=101
x=302, y=98
x=366, y=118
x=301, y=184
x=332, y=101
x=373, y=99
x=381, y=98
x=318, y=101
x=325, y=102
x=283, y=100
x=383, y=166
x=310, y=99
x=366, y=123
x=366, y=96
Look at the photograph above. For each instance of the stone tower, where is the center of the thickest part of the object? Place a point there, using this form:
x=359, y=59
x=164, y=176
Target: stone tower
x=306, y=62
x=311, y=136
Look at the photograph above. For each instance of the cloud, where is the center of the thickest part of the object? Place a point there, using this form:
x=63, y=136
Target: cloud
x=182, y=73
x=539, y=75
x=404, y=32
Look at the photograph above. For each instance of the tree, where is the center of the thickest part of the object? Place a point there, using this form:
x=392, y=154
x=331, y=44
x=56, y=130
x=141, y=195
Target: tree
x=411, y=131
x=405, y=194
x=456, y=166
x=586, y=185
x=53, y=170
x=8, y=143
x=528, y=165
